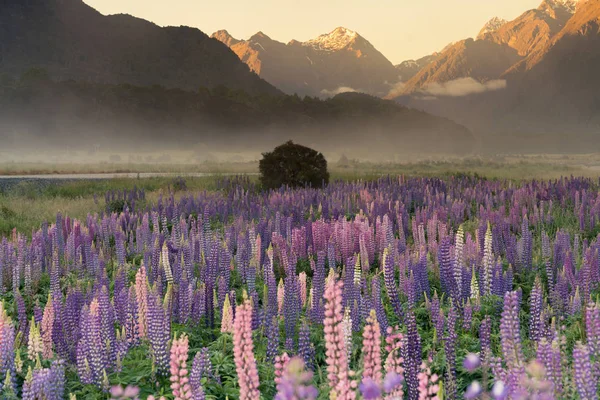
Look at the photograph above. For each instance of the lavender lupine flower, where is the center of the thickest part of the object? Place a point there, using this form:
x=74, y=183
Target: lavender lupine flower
x=472, y=362
x=377, y=303
x=294, y=383
x=107, y=326
x=389, y=274
x=272, y=338
x=535, y=310
x=306, y=349
x=7, y=347
x=45, y=383
x=467, y=315
x=592, y=324
x=510, y=332
x=201, y=367
x=91, y=357
x=450, y=351
x=549, y=355
x=411, y=352
x=158, y=334
x=584, y=379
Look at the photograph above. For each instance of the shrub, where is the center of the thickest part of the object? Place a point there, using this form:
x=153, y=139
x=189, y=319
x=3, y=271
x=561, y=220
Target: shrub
x=293, y=165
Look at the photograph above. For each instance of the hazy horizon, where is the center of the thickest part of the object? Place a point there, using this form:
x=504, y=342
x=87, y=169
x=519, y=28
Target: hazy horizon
x=401, y=31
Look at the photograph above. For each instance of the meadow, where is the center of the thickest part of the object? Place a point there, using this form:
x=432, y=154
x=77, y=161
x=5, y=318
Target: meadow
x=438, y=280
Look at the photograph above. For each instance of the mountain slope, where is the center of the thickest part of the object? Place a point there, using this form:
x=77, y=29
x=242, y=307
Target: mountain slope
x=560, y=82
x=341, y=60
x=533, y=29
x=481, y=60
x=73, y=41
x=39, y=112
x=499, y=45
x=409, y=68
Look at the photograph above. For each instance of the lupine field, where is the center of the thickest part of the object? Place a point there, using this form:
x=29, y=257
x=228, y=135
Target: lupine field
x=398, y=288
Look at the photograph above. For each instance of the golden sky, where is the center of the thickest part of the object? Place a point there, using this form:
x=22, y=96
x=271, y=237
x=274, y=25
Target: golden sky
x=400, y=29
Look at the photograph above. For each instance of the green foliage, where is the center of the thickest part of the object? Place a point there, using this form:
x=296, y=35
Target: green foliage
x=293, y=165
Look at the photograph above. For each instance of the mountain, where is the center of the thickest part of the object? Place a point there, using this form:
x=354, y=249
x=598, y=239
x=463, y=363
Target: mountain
x=533, y=29
x=339, y=61
x=560, y=83
x=480, y=60
x=497, y=48
x=551, y=100
x=36, y=111
x=409, y=68
x=73, y=41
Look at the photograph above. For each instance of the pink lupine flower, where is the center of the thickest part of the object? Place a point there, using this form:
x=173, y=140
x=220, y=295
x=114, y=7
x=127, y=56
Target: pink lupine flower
x=281, y=363
x=179, y=372
x=338, y=371
x=243, y=351
x=141, y=294
x=429, y=384
x=372, y=350
x=394, y=360
x=47, y=323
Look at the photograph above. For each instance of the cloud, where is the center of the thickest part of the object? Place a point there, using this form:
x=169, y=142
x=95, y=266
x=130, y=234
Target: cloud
x=396, y=90
x=462, y=87
x=341, y=89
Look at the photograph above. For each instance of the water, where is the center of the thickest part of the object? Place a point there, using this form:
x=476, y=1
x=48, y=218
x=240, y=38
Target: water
x=120, y=175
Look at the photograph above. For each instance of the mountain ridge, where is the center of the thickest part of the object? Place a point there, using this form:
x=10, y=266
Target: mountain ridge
x=339, y=60
x=80, y=43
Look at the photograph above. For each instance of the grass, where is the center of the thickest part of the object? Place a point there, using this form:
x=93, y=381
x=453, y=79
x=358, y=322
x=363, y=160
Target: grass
x=26, y=204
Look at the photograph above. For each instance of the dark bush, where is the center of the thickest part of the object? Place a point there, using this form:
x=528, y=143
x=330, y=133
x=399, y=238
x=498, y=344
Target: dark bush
x=179, y=184
x=293, y=165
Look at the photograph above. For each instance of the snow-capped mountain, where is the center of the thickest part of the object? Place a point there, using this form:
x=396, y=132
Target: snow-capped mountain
x=336, y=40
x=492, y=26
x=341, y=60
x=498, y=47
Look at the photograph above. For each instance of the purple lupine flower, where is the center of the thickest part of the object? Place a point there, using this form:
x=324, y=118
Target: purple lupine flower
x=509, y=331
x=377, y=303
x=369, y=389
x=535, y=310
x=592, y=324
x=291, y=309
x=450, y=351
x=584, y=379
x=485, y=332
x=158, y=334
x=7, y=348
x=294, y=383
x=389, y=275
x=549, y=355
x=472, y=362
x=305, y=348
x=272, y=339
x=201, y=367
x=411, y=353
x=91, y=357
x=107, y=327
x=45, y=383
x=467, y=315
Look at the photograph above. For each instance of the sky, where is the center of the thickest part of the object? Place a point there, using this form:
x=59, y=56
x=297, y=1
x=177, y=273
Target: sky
x=400, y=29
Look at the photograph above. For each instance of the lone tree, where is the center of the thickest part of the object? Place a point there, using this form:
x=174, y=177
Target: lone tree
x=293, y=165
